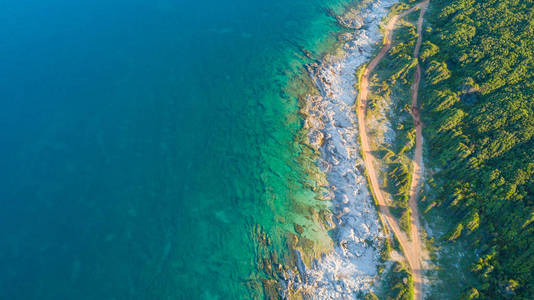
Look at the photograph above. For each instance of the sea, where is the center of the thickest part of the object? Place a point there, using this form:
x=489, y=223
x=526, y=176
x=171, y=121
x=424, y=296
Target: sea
x=154, y=149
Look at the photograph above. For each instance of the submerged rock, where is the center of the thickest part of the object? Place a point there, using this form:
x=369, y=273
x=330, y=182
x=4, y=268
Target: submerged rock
x=351, y=268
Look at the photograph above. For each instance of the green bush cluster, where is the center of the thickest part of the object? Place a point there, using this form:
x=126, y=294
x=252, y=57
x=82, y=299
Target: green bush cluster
x=400, y=283
x=478, y=109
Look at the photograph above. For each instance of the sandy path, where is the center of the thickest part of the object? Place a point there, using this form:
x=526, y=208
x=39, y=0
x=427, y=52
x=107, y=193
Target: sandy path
x=418, y=155
x=412, y=247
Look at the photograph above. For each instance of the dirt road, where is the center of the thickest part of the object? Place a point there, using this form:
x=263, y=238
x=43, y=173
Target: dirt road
x=412, y=247
x=418, y=155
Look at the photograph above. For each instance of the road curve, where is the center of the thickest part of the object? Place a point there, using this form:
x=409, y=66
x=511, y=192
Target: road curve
x=412, y=247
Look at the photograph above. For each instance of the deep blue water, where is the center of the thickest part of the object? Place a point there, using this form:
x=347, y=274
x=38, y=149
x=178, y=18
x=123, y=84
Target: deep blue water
x=143, y=141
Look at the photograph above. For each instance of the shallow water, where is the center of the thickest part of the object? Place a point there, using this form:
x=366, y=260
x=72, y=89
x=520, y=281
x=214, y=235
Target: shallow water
x=145, y=142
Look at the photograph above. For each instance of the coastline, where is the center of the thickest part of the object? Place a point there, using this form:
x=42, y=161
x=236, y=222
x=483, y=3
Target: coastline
x=351, y=268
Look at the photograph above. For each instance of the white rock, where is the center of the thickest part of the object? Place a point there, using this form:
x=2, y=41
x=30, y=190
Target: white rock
x=352, y=267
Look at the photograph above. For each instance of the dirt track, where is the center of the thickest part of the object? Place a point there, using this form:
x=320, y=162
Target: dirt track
x=412, y=247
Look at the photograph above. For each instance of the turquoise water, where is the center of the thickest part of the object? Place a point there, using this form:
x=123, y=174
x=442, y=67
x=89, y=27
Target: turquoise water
x=147, y=144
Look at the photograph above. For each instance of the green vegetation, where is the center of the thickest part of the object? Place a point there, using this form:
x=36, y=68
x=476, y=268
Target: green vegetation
x=399, y=284
x=476, y=96
x=371, y=296
x=390, y=96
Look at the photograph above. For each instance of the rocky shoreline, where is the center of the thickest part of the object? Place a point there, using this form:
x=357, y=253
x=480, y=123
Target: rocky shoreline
x=350, y=270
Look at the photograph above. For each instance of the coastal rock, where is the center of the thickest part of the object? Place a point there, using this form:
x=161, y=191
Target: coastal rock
x=351, y=268
x=298, y=228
